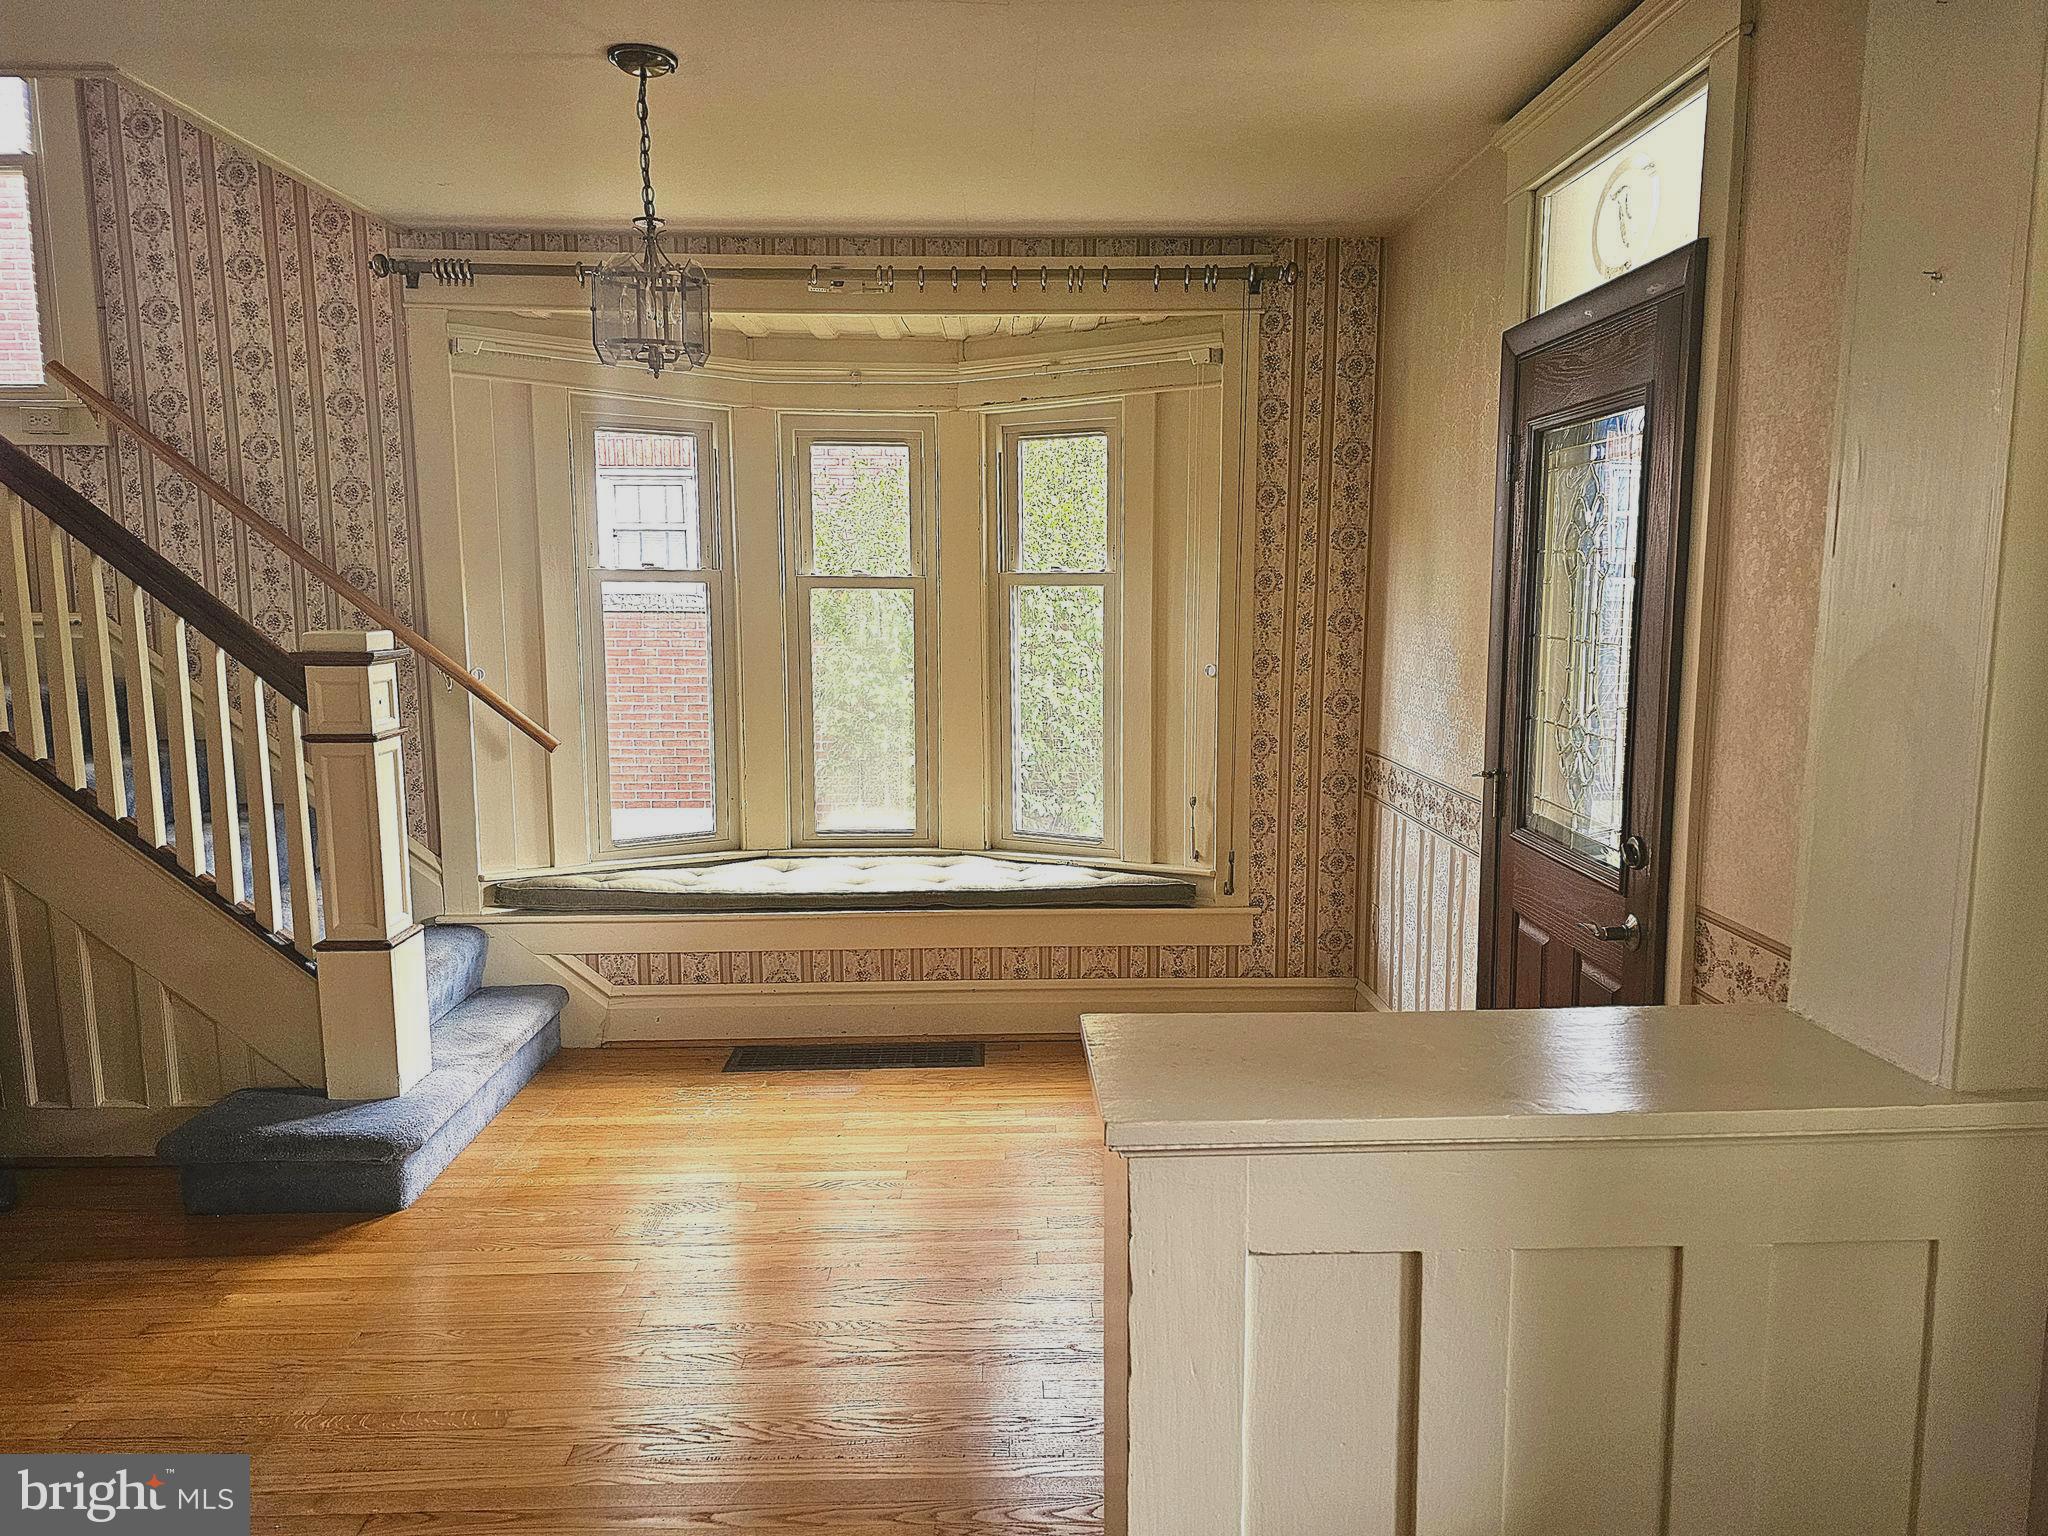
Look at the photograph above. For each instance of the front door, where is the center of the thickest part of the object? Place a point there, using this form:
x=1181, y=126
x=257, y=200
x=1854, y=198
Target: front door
x=1597, y=409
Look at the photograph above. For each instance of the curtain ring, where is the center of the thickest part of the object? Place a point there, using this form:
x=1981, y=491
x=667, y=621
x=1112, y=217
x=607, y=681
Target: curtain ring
x=1187, y=278
x=1155, y=279
x=1105, y=278
x=1013, y=279
x=956, y=279
x=1041, y=279
x=920, y=279
x=984, y=279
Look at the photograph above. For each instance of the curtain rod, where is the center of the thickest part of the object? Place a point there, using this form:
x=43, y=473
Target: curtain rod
x=461, y=271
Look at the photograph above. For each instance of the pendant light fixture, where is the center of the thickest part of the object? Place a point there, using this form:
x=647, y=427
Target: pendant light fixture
x=645, y=308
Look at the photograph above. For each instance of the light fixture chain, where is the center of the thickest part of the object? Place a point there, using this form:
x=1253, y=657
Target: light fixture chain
x=646, y=160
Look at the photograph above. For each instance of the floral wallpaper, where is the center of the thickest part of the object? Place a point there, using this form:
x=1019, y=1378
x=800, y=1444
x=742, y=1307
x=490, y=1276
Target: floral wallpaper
x=1311, y=479
x=241, y=323
x=1730, y=964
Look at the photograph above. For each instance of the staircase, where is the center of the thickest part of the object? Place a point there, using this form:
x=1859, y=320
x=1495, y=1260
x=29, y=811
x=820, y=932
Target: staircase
x=206, y=930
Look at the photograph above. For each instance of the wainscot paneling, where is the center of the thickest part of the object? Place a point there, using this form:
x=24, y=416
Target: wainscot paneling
x=115, y=1023
x=1422, y=889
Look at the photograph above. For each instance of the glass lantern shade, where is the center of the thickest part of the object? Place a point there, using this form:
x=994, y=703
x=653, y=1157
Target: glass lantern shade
x=647, y=309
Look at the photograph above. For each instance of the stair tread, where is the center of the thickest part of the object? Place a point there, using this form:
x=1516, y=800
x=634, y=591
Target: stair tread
x=475, y=1038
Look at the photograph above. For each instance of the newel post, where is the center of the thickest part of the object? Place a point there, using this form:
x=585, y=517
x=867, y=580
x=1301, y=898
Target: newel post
x=372, y=960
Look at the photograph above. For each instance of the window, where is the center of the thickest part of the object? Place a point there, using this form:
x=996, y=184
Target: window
x=862, y=548
x=1057, y=605
x=21, y=305
x=655, y=586
x=1632, y=200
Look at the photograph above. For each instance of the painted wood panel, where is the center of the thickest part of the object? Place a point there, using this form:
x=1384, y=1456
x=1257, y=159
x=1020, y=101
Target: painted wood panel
x=1336, y=1330
x=1607, y=1338
x=125, y=1000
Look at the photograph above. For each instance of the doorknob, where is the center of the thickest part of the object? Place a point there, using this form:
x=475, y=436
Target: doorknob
x=1628, y=931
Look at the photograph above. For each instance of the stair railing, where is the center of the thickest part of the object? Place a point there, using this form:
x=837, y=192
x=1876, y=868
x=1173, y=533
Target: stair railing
x=380, y=616
x=100, y=596
x=269, y=747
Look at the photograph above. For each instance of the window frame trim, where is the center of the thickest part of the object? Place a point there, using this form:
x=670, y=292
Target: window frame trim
x=591, y=416
x=799, y=431
x=61, y=244
x=1009, y=429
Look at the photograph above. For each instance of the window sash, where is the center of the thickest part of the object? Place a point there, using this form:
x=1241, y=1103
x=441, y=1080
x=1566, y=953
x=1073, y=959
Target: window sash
x=713, y=575
x=802, y=738
x=1005, y=830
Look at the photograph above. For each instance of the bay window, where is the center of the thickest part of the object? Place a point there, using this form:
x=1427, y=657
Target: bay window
x=655, y=596
x=860, y=629
x=1057, y=594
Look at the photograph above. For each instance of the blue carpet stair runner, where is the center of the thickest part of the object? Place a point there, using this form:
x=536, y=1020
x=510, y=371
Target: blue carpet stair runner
x=271, y=1149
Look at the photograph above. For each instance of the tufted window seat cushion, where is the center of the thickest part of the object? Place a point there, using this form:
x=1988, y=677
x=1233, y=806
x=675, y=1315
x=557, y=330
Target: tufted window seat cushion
x=848, y=883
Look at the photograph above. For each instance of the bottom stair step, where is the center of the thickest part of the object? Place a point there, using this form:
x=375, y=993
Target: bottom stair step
x=269, y=1149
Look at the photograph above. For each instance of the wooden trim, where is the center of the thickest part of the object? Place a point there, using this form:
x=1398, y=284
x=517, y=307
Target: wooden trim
x=353, y=738
x=67, y=509
x=351, y=658
x=367, y=946
x=163, y=858
x=381, y=616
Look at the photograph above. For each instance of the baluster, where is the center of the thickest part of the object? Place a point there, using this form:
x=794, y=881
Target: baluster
x=256, y=794
x=298, y=824
x=225, y=820
x=176, y=649
x=67, y=732
x=96, y=656
x=17, y=609
x=142, y=747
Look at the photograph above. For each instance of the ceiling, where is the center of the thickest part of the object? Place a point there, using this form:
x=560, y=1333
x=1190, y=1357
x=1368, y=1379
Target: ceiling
x=849, y=115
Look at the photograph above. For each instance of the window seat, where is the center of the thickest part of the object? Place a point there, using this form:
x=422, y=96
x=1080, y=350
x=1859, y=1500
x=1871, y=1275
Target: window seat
x=850, y=883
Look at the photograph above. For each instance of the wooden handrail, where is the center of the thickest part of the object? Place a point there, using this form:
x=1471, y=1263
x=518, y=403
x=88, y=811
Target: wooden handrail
x=383, y=617
x=133, y=558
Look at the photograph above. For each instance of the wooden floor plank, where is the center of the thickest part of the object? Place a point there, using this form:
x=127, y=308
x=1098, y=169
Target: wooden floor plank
x=651, y=1296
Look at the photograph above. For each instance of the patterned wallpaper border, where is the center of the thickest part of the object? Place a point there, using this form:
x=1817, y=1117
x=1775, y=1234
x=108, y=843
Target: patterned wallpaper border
x=1734, y=964
x=1449, y=813
x=1107, y=962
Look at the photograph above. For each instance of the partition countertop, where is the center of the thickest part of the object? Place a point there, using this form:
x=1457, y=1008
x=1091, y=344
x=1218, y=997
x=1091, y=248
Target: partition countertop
x=1180, y=1082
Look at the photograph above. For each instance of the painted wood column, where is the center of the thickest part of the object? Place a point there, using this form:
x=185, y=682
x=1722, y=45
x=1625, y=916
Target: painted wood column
x=372, y=960
x=1917, y=935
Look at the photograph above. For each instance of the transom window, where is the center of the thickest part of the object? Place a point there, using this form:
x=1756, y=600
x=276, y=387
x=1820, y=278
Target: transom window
x=1630, y=201
x=1057, y=601
x=21, y=303
x=861, y=625
x=655, y=586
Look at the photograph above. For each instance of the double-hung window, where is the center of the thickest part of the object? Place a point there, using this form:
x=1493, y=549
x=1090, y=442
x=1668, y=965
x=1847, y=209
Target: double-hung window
x=656, y=587
x=860, y=630
x=21, y=302
x=1057, y=591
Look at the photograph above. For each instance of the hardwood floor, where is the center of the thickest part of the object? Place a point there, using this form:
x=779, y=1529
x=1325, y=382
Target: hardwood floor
x=649, y=1297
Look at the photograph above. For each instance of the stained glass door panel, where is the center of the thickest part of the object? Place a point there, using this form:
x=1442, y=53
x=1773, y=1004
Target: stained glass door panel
x=1587, y=523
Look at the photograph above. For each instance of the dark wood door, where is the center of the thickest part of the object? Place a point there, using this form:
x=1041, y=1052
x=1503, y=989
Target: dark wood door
x=1596, y=461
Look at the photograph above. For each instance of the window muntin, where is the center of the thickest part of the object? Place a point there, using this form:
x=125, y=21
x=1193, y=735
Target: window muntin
x=21, y=299
x=860, y=636
x=657, y=594
x=1057, y=582
x=1633, y=200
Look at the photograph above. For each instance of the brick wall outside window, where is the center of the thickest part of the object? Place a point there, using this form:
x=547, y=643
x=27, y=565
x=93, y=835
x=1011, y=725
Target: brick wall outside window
x=21, y=342
x=657, y=668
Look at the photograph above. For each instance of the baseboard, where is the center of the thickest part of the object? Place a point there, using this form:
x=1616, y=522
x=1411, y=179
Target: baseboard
x=1370, y=1001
